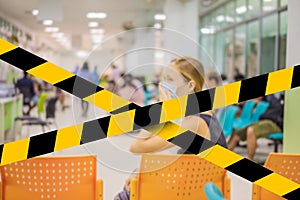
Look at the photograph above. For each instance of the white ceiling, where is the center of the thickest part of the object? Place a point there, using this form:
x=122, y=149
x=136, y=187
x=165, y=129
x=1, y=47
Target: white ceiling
x=140, y=12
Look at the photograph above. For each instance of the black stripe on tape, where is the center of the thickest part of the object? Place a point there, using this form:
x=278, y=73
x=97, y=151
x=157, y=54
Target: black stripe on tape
x=22, y=59
x=200, y=102
x=95, y=130
x=248, y=170
x=1, y=151
x=293, y=195
x=128, y=107
x=253, y=87
x=191, y=142
x=148, y=115
x=41, y=144
x=296, y=77
x=78, y=86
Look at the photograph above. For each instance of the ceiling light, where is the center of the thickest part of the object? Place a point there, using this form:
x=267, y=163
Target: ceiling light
x=82, y=54
x=267, y=0
x=63, y=38
x=98, y=15
x=96, y=31
x=159, y=54
x=220, y=18
x=97, y=38
x=268, y=8
x=51, y=29
x=157, y=25
x=57, y=35
x=160, y=17
x=207, y=30
x=48, y=22
x=241, y=9
x=93, y=24
x=35, y=12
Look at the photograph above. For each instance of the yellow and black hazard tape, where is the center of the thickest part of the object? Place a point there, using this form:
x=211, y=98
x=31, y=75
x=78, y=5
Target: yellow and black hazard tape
x=114, y=125
x=59, y=77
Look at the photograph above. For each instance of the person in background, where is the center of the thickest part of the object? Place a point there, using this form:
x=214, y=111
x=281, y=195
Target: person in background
x=125, y=194
x=224, y=79
x=147, y=95
x=96, y=75
x=213, y=79
x=76, y=69
x=86, y=74
x=238, y=75
x=115, y=74
x=26, y=87
x=131, y=89
x=270, y=122
x=183, y=76
x=61, y=97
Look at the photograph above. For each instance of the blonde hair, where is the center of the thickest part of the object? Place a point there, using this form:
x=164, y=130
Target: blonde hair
x=191, y=69
x=214, y=75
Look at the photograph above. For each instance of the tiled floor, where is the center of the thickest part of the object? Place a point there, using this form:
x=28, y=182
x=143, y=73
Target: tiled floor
x=116, y=162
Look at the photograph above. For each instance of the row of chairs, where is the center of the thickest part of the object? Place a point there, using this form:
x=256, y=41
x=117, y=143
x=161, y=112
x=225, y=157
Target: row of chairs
x=44, y=105
x=185, y=177
x=229, y=122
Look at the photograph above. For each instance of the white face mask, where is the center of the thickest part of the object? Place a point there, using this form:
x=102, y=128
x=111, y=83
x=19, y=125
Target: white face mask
x=172, y=88
x=168, y=86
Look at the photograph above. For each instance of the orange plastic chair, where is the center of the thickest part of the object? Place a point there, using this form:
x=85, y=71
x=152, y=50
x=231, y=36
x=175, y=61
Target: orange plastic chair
x=176, y=177
x=287, y=165
x=56, y=178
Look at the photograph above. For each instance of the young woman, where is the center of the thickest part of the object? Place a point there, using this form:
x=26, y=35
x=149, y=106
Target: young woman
x=184, y=75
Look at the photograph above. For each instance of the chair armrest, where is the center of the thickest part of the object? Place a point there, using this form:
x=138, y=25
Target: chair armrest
x=133, y=189
x=99, y=189
x=227, y=187
x=255, y=192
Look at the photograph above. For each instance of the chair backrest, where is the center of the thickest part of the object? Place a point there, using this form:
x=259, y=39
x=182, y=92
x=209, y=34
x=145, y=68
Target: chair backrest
x=41, y=102
x=247, y=110
x=287, y=165
x=226, y=119
x=176, y=177
x=259, y=110
x=57, y=178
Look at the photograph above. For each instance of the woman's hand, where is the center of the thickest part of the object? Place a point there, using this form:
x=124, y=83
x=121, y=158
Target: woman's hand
x=127, y=184
x=163, y=95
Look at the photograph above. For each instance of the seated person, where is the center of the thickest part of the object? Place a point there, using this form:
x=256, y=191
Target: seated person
x=184, y=75
x=131, y=89
x=26, y=87
x=125, y=194
x=270, y=122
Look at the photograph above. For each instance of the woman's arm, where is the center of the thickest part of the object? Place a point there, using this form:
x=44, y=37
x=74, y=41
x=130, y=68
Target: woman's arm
x=147, y=143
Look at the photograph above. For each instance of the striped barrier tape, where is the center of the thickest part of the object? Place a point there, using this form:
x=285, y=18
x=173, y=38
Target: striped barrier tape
x=59, y=77
x=132, y=117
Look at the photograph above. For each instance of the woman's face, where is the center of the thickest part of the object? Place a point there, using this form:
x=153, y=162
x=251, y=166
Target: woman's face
x=172, y=76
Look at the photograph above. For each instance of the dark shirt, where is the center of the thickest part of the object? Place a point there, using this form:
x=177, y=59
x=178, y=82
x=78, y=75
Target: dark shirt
x=25, y=83
x=239, y=77
x=216, y=132
x=26, y=87
x=275, y=110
